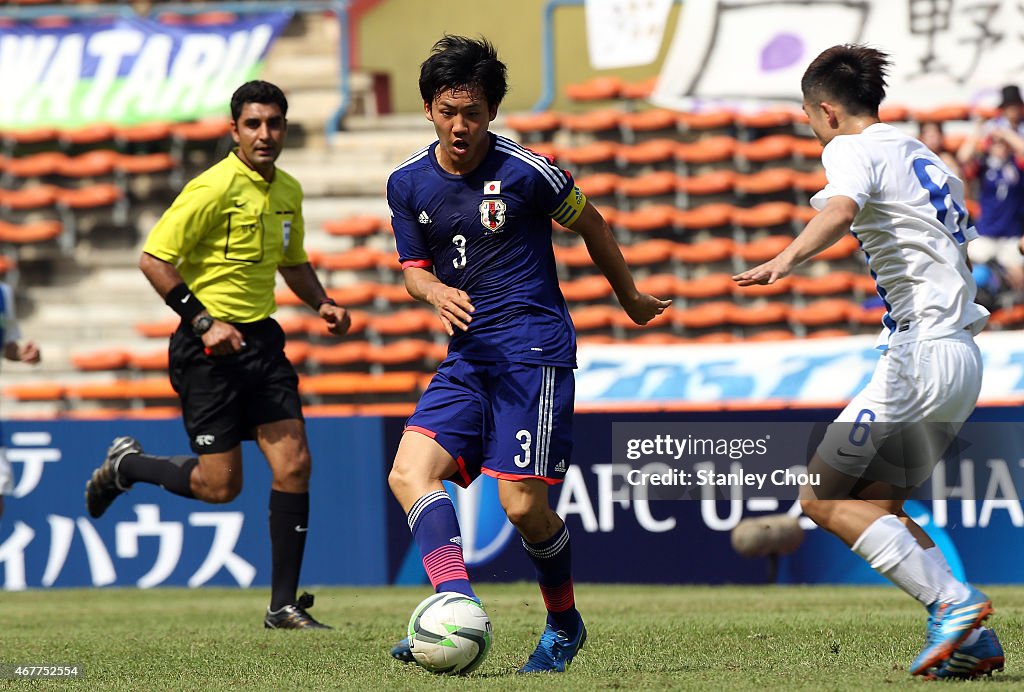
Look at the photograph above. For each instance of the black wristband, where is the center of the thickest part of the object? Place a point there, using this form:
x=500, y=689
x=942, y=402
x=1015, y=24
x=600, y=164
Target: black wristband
x=181, y=300
x=326, y=300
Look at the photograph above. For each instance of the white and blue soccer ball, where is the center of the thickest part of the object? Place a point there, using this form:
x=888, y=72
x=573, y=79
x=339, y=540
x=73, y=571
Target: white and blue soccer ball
x=449, y=633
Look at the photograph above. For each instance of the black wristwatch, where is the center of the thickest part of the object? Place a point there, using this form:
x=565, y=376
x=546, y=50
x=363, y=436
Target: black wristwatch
x=202, y=324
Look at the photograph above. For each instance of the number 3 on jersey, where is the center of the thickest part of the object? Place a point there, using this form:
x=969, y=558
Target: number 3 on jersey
x=938, y=195
x=460, y=245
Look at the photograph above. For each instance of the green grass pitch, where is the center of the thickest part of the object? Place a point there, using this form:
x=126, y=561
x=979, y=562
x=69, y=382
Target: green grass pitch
x=641, y=637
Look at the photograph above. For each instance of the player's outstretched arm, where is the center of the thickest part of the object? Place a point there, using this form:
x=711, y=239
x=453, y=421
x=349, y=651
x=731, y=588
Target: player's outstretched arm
x=453, y=305
x=591, y=226
x=304, y=282
x=824, y=230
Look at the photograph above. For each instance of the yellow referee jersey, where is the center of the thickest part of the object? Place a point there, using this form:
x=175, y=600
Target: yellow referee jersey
x=227, y=233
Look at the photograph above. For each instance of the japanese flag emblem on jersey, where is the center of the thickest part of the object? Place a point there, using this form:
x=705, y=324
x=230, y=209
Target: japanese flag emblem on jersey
x=492, y=187
x=492, y=214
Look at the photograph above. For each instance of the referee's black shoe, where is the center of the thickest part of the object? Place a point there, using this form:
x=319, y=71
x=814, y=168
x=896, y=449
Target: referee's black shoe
x=294, y=617
x=106, y=482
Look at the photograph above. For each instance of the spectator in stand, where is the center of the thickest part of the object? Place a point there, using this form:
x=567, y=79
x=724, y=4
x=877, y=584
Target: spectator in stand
x=932, y=136
x=993, y=156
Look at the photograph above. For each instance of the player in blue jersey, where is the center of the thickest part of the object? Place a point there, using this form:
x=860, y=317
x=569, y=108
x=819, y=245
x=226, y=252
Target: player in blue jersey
x=472, y=219
x=16, y=350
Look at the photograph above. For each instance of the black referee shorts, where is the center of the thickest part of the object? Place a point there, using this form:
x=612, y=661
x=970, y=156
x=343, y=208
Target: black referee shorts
x=224, y=398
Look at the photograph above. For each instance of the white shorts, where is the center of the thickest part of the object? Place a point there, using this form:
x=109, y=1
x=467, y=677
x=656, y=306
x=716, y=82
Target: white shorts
x=899, y=426
x=6, y=475
x=1005, y=251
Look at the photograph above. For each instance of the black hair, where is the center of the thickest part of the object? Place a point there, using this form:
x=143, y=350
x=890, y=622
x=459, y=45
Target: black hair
x=851, y=75
x=257, y=91
x=457, y=63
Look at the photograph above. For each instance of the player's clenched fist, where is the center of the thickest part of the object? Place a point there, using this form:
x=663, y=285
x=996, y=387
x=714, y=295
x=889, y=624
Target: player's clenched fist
x=644, y=307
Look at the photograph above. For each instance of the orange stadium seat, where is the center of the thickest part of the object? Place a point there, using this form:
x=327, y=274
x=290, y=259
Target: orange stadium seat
x=803, y=215
x=296, y=351
x=590, y=154
x=357, y=383
x=354, y=295
x=646, y=219
x=705, y=287
x=769, y=119
x=707, y=185
x=361, y=226
x=207, y=130
x=650, y=253
x=1007, y=318
x=759, y=315
x=593, y=318
x=763, y=249
x=893, y=113
x=711, y=150
x=706, y=121
x=599, y=185
x=833, y=283
x=765, y=215
x=639, y=90
x=392, y=294
x=160, y=329
x=806, y=148
x=770, y=181
x=30, y=232
x=951, y=112
x=573, y=257
x=649, y=152
x=604, y=88
x=532, y=126
x=30, y=198
x=36, y=391
x=712, y=251
x=144, y=136
x=88, y=135
x=770, y=335
x=89, y=197
x=150, y=360
x=871, y=317
x=586, y=289
x=810, y=181
x=660, y=285
x=704, y=316
x=830, y=311
x=35, y=166
x=403, y=352
x=357, y=259
x=107, y=359
x=404, y=323
x=656, y=183
x=145, y=164
x=646, y=122
x=595, y=122
x=343, y=354
x=28, y=137
x=705, y=217
x=144, y=388
x=765, y=149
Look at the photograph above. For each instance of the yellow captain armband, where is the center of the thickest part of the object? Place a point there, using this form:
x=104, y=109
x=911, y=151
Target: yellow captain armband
x=570, y=208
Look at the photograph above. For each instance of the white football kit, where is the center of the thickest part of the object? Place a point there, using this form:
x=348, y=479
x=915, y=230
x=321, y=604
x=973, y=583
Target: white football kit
x=914, y=229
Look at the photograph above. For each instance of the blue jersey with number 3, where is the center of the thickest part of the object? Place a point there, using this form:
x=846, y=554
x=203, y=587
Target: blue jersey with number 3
x=488, y=233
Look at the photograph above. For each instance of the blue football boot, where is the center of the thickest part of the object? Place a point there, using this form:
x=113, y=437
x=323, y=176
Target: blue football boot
x=948, y=625
x=555, y=650
x=982, y=657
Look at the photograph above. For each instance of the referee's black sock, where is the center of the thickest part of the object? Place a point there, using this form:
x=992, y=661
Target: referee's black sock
x=173, y=474
x=289, y=521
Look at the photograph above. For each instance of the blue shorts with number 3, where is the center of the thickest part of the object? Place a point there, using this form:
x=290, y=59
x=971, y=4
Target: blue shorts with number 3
x=508, y=420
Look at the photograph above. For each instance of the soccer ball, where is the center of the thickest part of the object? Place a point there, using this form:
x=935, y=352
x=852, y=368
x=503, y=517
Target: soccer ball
x=449, y=633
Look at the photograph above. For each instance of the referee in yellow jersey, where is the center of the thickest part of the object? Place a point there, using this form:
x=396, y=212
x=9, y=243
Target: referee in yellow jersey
x=213, y=257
